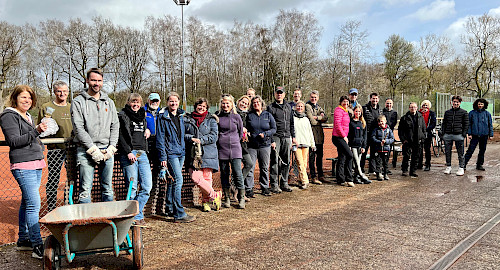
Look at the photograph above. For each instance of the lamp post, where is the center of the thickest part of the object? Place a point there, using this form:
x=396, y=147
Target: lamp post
x=69, y=69
x=183, y=3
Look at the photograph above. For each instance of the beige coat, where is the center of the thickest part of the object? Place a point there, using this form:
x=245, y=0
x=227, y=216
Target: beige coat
x=319, y=136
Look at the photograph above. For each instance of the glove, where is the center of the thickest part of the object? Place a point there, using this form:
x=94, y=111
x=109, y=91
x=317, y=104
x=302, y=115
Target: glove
x=110, y=152
x=95, y=153
x=162, y=176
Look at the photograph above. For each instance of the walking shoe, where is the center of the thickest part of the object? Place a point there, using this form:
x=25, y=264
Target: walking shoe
x=350, y=184
x=37, y=252
x=275, y=189
x=427, y=168
x=206, y=207
x=304, y=186
x=413, y=175
x=249, y=193
x=357, y=181
x=341, y=183
x=247, y=199
x=389, y=172
x=447, y=170
x=286, y=188
x=266, y=192
x=185, y=219
x=366, y=181
x=386, y=177
x=217, y=201
x=460, y=171
x=321, y=179
x=480, y=168
x=405, y=173
x=24, y=245
x=316, y=181
x=379, y=177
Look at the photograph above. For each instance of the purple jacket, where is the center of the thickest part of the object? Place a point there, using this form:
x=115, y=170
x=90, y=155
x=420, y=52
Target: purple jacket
x=230, y=134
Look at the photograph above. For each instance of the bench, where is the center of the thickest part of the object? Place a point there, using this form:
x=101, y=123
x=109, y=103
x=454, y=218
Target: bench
x=396, y=149
x=334, y=163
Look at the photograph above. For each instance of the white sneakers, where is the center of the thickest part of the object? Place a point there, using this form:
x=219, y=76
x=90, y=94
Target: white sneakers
x=460, y=171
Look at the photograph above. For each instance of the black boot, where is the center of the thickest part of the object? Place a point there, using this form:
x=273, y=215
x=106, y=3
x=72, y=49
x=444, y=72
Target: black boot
x=227, y=198
x=241, y=198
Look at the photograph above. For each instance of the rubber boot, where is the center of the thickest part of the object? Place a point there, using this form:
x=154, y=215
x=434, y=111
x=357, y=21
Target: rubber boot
x=227, y=198
x=241, y=198
x=206, y=207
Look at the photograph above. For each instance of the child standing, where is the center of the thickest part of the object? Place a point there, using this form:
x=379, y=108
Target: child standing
x=357, y=141
x=382, y=138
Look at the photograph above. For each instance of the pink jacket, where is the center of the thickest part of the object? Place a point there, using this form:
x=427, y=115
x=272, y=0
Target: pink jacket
x=341, y=121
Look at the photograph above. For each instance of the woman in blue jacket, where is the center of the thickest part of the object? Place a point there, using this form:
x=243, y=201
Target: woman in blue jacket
x=171, y=147
x=479, y=131
x=202, y=131
x=261, y=128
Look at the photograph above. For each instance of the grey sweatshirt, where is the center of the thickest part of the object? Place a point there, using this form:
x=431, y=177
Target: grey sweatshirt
x=95, y=122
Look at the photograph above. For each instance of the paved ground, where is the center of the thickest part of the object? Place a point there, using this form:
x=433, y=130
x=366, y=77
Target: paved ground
x=402, y=223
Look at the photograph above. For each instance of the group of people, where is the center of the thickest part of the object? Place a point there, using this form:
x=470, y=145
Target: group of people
x=232, y=140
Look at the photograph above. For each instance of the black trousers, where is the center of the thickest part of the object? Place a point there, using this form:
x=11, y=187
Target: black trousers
x=382, y=161
x=427, y=145
x=316, y=161
x=411, y=153
x=344, y=162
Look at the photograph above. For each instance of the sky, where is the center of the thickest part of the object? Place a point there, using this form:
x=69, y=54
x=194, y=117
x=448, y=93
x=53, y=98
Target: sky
x=411, y=19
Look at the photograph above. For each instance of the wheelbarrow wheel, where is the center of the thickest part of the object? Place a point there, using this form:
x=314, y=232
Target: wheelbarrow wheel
x=137, y=247
x=51, y=253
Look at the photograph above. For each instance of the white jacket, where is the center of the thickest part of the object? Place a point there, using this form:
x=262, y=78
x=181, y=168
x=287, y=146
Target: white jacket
x=303, y=131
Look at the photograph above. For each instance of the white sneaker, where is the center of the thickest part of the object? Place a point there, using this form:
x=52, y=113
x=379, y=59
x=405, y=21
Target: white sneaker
x=448, y=170
x=460, y=171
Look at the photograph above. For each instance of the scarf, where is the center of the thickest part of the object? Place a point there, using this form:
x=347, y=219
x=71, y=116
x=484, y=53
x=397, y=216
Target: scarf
x=298, y=115
x=136, y=117
x=426, y=116
x=199, y=117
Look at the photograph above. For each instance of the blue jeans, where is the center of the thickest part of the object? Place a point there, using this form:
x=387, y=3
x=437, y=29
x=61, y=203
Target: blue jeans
x=482, y=141
x=140, y=173
x=173, y=204
x=29, y=182
x=86, y=167
x=235, y=164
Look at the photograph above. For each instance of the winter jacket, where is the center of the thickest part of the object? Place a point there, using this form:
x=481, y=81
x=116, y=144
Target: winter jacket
x=371, y=114
x=379, y=134
x=256, y=124
x=406, y=129
x=303, y=131
x=431, y=124
x=125, y=138
x=315, y=110
x=455, y=121
x=283, y=116
x=208, y=133
x=391, y=116
x=151, y=116
x=244, y=146
x=167, y=140
x=21, y=136
x=230, y=134
x=95, y=122
x=341, y=121
x=357, y=134
x=480, y=123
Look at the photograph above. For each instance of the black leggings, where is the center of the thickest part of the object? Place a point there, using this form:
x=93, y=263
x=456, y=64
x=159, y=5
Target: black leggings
x=344, y=163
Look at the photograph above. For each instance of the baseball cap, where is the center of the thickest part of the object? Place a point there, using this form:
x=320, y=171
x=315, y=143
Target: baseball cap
x=353, y=90
x=279, y=89
x=154, y=96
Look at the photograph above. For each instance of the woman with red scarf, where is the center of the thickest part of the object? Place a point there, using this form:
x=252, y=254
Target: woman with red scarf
x=430, y=124
x=201, y=151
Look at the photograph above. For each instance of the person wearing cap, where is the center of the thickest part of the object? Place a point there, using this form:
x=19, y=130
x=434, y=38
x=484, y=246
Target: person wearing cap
x=353, y=96
x=152, y=108
x=283, y=140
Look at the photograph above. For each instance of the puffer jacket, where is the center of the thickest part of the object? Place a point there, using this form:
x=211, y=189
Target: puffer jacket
x=406, y=129
x=357, y=134
x=480, y=123
x=208, y=133
x=379, y=134
x=167, y=140
x=21, y=136
x=455, y=121
x=316, y=124
x=341, y=121
x=95, y=122
x=371, y=114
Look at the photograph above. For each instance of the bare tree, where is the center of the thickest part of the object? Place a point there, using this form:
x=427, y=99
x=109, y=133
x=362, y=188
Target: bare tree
x=433, y=50
x=135, y=58
x=355, y=43
x=482, y=40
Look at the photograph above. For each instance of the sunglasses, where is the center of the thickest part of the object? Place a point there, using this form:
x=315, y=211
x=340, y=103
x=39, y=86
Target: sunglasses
x=155, y=100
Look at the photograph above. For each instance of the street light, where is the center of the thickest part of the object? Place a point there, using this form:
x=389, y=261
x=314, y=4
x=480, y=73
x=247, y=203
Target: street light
x=183, y=3
x=69, y=68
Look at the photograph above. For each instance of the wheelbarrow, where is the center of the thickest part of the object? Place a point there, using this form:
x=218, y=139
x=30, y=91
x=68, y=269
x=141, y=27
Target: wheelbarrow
x=84, y=229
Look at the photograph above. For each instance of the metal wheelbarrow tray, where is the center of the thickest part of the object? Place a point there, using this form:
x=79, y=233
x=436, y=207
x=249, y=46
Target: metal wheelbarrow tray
x=91, y=228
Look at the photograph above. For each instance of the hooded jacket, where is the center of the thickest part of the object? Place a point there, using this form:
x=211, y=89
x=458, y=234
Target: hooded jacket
x=357, y=134
x=151, y=116
x=21, y=136
x=125, y=138
x=480, y=123
x=95, y=122
x=341, y=121
x=208, y=133
x=379, y=134
x=169, y=144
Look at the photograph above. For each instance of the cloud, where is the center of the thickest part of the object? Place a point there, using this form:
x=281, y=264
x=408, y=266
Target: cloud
x=435, y=11
x=494, y=12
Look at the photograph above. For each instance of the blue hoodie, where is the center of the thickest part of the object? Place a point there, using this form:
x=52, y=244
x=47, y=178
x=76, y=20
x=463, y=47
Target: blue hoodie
x=167, y=140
